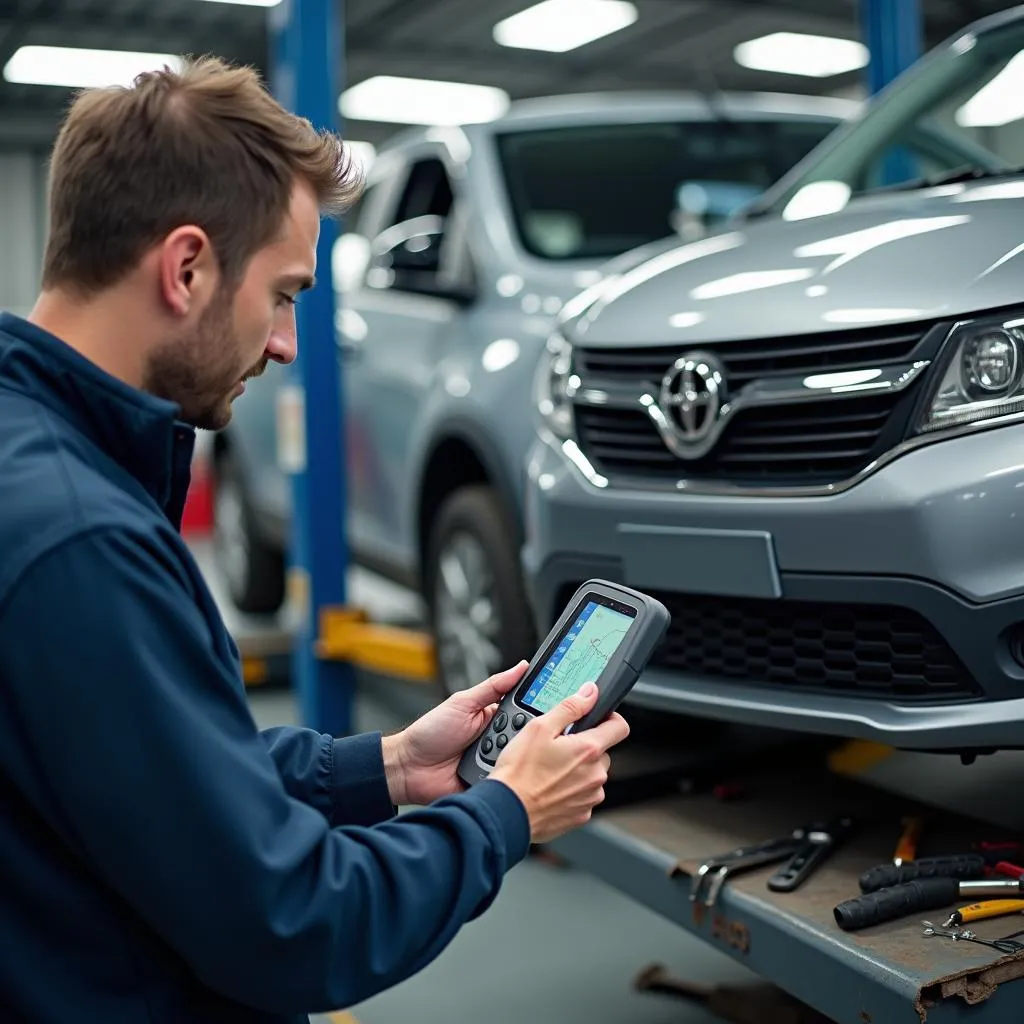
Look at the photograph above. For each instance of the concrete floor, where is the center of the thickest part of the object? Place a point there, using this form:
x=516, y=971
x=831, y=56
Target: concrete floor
x=574, y=944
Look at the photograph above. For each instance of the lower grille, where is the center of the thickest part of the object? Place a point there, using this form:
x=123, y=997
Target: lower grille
x=854, y=650
x=813, y=442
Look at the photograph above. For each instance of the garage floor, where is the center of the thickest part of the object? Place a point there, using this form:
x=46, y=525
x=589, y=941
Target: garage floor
x=575, y=944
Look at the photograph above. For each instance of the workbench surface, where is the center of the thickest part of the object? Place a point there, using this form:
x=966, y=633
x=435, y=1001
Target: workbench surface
x=888, y=974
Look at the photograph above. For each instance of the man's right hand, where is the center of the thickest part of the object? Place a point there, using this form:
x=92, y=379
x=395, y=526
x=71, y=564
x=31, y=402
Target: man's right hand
x=560, y=779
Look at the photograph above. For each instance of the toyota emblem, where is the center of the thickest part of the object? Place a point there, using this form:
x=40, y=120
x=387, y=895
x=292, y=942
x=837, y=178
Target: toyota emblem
x=692, y=395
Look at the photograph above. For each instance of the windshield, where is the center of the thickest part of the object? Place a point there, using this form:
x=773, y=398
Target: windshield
x=594, y=192
x=960, y=112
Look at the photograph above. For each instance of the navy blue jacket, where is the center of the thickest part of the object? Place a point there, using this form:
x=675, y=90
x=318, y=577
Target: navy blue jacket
x=161, y=859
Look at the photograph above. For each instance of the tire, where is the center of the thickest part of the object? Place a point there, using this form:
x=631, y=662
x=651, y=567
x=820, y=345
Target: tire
x=489, y=627
x=252, y=569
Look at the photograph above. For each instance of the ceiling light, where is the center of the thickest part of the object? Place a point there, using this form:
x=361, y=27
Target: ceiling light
x=793, y=53
x=560, y=25
x=82, y=69
x=248, y=3
x=422, y=101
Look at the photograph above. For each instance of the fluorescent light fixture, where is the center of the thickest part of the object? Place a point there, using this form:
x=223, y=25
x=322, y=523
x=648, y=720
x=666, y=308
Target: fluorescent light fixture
x=247, y=3
x=999, y=101
x=82, y=69
x=560, y=25
x=794, y=53
x=422, y=101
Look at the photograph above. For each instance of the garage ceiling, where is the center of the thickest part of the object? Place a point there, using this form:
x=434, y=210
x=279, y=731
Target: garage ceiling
x=676, y=44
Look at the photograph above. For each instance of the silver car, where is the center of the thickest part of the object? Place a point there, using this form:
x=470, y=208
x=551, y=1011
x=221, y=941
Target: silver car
x=804, y=433
x=464, y=248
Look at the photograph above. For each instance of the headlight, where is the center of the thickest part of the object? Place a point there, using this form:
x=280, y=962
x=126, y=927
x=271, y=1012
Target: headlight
x=982, y=375
x=554, y=386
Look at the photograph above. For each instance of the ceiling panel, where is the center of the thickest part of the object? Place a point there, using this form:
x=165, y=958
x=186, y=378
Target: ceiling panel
x=674, y=43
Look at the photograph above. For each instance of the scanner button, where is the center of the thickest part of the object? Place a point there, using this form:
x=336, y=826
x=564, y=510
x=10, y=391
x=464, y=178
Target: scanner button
x=488, y=745
x=500, y=721
x=502, y=741
x=518, y=721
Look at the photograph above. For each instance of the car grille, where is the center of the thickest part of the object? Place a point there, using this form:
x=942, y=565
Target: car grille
x=843, y=649
x=814, y=442
x=806, y=443
x=851, y=650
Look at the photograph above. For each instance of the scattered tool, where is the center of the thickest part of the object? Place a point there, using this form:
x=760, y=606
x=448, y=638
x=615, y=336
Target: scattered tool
x=989, y=858
x=965, y=867
x=805, y=849
x=906, y=848
x=983, y=910
x=966, y=935
x=917, y=897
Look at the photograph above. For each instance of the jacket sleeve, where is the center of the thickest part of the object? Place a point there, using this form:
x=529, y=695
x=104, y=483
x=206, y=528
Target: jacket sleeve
x=342, y=778
x=149, y=764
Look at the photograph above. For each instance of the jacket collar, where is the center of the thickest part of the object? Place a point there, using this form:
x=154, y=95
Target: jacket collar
x=137, y=430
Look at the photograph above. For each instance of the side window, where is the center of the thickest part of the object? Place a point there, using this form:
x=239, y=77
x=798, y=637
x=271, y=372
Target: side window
x=417, y=251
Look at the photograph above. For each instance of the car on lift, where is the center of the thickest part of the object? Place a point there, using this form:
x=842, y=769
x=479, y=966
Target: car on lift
x=466, y=243
x=805, y=432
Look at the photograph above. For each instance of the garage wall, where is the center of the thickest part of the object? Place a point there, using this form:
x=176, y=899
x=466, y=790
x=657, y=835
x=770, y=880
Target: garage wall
x=22, y=203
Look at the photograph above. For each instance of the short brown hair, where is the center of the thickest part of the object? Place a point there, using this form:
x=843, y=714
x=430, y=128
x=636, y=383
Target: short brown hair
x=207, y=145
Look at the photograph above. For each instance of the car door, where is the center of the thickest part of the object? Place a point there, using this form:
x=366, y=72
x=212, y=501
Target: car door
x=394, y=328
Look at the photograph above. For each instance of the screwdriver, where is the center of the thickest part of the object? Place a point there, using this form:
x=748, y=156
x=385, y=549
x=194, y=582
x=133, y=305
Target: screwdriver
x=906, y=848
x=983, y=910
x=916, y=897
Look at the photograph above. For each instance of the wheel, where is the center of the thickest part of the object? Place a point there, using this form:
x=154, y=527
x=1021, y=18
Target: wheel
x=474, y=591
x=253, y=569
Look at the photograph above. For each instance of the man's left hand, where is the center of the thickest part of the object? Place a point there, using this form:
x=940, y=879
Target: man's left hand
x=422, y=760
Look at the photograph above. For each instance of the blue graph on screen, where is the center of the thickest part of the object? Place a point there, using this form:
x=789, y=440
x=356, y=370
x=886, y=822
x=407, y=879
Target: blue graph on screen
x=580, y=657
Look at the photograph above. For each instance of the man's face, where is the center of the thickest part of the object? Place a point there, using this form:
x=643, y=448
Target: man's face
x=204, y=368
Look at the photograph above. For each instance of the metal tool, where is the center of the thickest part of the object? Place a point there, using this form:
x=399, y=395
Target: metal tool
x=804, y=850
x=917, y=897
x=966, y=935
x=983, y=910
x=906, y=848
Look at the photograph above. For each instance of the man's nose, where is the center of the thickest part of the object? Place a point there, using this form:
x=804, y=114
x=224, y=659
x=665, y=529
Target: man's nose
x=283, y=347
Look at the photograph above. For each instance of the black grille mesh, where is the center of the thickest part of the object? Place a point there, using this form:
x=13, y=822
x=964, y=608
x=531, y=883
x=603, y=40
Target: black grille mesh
x=872, y=651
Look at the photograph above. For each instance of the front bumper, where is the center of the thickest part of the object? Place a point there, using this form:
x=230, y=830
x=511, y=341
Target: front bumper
x=938, y=532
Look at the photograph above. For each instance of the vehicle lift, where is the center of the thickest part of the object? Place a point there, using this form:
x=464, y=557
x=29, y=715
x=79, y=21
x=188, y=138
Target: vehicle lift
x=673, y=805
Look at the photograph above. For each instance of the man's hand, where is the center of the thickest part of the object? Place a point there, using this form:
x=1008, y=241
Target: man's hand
x=421, y=761
x=560, y=779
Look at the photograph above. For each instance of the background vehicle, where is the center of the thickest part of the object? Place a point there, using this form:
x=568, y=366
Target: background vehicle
x=804, y=433
x=466, y=244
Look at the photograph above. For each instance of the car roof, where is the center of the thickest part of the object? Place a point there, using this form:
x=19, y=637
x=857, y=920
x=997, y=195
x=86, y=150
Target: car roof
x=626, y=107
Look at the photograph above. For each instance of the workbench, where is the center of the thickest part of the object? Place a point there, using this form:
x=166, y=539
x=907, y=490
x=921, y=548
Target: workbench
x=652, y=837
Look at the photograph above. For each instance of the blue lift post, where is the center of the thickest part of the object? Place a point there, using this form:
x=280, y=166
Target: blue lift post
x=307, y=53
x=893, y=33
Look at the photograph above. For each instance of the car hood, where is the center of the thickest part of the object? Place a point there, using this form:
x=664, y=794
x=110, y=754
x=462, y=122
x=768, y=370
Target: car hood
x=892, y=258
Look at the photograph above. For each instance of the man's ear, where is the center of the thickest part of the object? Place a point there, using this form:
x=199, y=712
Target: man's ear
x=188, y=270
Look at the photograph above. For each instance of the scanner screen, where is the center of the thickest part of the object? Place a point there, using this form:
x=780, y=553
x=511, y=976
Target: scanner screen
x=580, y=656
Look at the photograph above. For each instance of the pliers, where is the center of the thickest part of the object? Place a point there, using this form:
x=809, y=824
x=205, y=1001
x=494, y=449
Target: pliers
x=804, y=850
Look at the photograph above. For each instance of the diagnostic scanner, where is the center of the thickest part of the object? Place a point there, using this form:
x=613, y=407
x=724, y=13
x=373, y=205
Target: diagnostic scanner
x=605, y=636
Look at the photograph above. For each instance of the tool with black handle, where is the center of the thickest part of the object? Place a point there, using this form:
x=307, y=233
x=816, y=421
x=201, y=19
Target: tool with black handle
x=917, y=897
x=964, y=867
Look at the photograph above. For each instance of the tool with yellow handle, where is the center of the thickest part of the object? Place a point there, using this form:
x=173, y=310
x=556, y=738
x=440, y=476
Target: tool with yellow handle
x=986, y=909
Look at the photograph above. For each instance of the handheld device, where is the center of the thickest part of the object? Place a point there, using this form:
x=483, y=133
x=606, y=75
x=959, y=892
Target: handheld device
x=605, y=635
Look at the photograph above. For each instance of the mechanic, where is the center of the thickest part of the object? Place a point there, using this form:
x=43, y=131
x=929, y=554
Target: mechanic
x=163, y=860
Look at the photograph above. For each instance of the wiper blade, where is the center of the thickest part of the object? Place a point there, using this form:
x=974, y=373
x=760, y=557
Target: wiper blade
x=967, y=172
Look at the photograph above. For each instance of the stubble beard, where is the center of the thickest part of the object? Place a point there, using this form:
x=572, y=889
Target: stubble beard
x=198, y=372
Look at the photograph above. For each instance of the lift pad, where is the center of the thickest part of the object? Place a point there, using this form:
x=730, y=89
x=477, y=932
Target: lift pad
x=890, y=974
